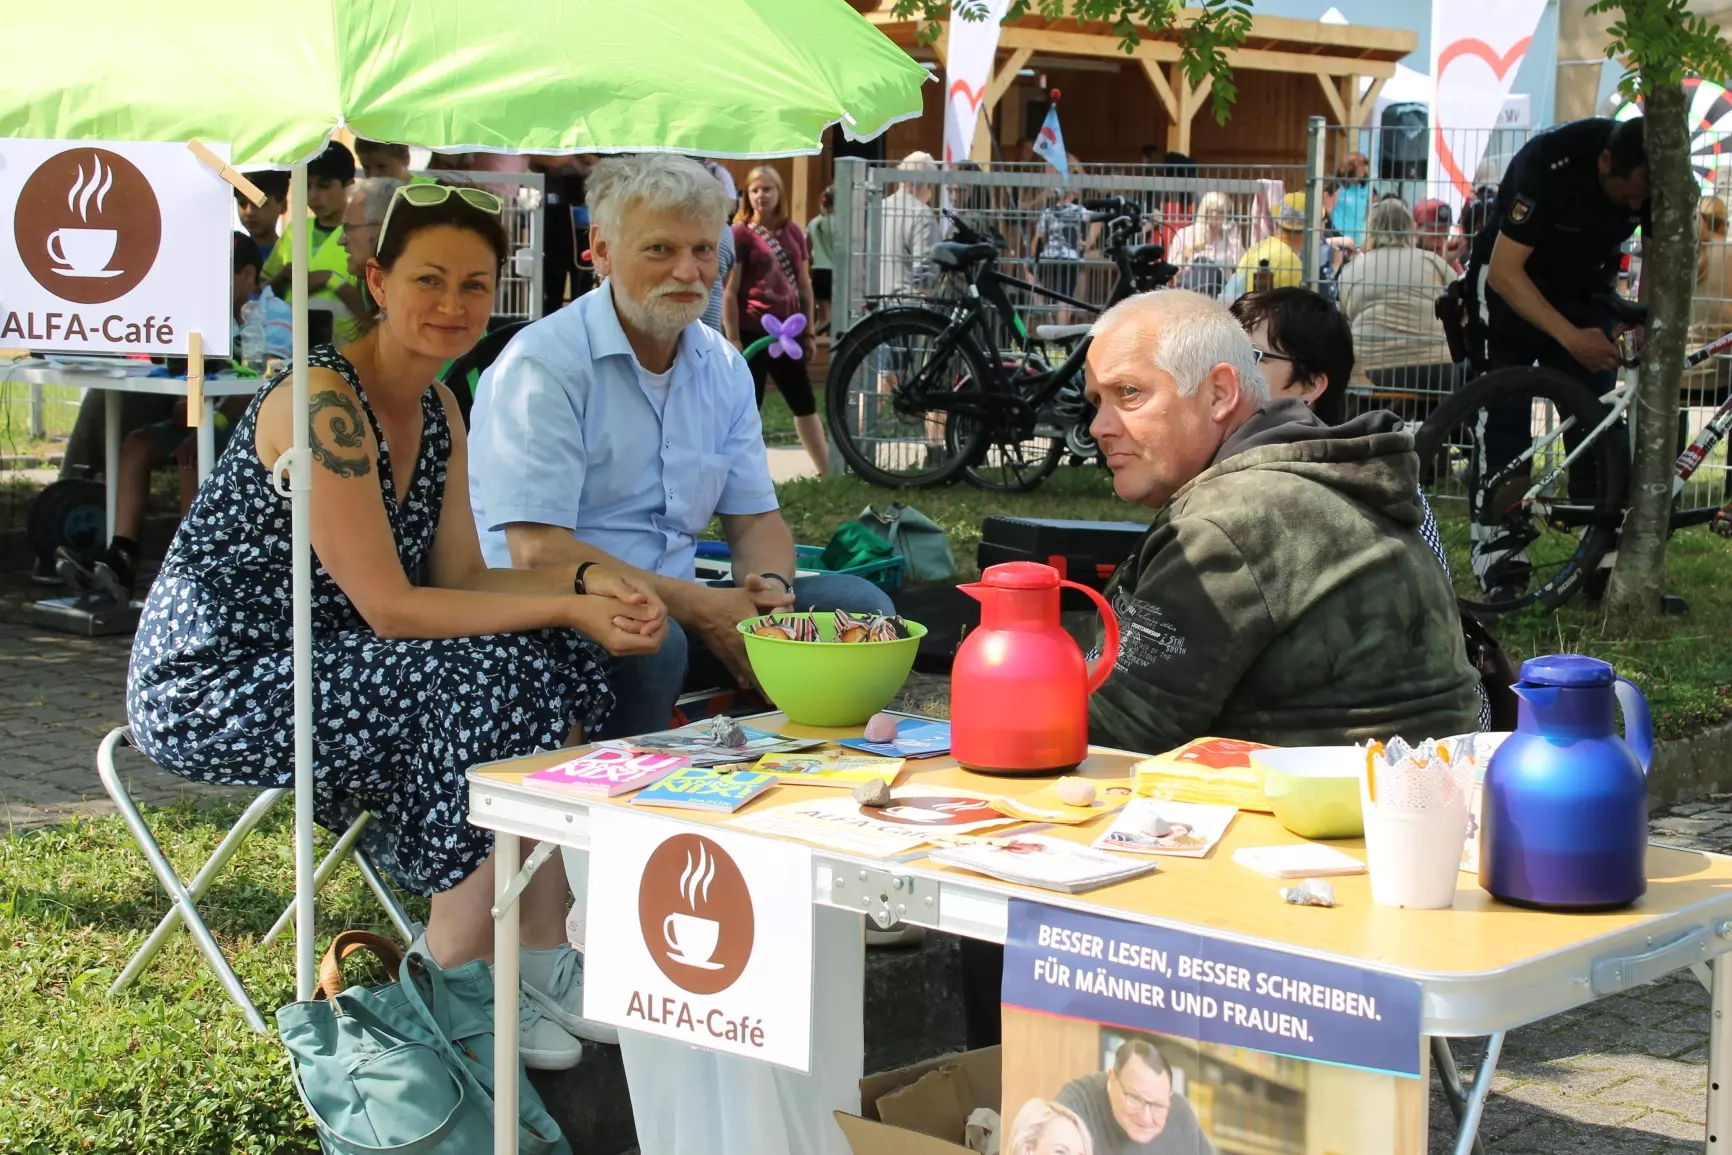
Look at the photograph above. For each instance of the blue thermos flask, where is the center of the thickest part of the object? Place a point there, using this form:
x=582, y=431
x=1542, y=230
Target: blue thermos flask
x=1565, y=802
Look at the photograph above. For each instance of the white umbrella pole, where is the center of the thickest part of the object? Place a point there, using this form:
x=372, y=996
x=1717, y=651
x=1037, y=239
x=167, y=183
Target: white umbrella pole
x=301, y=547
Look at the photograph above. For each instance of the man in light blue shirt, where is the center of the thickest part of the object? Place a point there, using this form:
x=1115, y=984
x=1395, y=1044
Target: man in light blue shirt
x=612, y=432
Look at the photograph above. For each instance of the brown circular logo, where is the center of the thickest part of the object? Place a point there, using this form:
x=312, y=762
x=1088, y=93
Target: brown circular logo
x=88, y=225
x=696, y=914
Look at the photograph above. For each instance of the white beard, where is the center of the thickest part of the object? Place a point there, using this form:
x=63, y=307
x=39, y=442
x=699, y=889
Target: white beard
x=657, y=316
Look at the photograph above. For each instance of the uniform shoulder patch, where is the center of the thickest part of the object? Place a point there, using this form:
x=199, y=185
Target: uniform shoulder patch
x=1520, y=209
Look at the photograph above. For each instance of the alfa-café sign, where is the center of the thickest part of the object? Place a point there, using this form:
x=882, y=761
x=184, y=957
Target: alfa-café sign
x=113, y=248
x=703, y=938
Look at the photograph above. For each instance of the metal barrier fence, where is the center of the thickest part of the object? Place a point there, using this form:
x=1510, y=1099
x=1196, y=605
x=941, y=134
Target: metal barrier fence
x=1380, y=235
x=518, y=294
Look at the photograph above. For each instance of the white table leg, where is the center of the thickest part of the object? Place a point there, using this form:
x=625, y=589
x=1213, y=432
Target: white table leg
x=110, y=458
x=207, y=440
x=506, y=850
x=1720, y=1059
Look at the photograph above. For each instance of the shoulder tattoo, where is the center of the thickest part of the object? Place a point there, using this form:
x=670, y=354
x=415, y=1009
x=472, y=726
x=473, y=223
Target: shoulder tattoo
x=333, y=417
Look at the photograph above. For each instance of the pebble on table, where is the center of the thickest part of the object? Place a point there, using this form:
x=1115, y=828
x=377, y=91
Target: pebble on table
x=872, y=792
x=1310, y=892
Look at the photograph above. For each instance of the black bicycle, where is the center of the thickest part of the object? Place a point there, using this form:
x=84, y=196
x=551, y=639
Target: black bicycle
x=921, y=394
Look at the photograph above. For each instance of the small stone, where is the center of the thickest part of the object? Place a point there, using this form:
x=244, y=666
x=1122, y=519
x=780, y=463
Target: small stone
x=872, y=792
x=1076, y=792
x=1156, y=826
x=1310, y=892
x=881, y=728
x=724, y=731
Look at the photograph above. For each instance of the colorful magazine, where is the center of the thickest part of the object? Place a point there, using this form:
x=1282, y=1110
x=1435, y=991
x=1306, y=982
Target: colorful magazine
x=915, y=738
x=696, y=744
x=830, y=768
x=608, y=771
x=706, y=788
x=1156, y=826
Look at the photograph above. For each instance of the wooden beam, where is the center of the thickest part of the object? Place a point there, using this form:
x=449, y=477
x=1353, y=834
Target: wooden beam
x=1365, y=105
x=1163, y=90
x=1327, y=84
x=1103, y=47
x=1190, y=100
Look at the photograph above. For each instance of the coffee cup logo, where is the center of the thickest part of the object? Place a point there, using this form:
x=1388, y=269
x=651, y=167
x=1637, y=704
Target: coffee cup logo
x=696, y=914
x=87, y=225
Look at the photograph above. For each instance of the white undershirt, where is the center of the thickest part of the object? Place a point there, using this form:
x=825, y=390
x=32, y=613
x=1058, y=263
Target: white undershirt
x=656, y=385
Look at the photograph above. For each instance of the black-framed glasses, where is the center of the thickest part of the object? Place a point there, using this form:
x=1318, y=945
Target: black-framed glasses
x=424, y=195
x=1262, y=355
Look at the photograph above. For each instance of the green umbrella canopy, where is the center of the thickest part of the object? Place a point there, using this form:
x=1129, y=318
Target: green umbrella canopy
x=715, y=77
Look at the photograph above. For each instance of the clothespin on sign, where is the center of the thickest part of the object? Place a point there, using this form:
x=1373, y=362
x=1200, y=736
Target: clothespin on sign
x=194, y=379
x=219, y=166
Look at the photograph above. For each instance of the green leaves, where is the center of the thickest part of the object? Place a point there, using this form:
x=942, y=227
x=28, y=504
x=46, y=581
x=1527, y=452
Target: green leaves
x=1662, y=42
x=1210, y=28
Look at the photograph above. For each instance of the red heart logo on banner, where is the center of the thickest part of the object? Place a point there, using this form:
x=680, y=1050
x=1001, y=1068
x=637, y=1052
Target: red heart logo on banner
x=1500, y=66
x=974, y=95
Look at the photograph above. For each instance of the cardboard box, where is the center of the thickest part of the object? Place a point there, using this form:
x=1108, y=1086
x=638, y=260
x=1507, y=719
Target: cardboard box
x=933, y=1096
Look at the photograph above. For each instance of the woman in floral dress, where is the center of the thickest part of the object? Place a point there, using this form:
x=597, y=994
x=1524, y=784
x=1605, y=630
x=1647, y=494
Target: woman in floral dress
x=425, y=662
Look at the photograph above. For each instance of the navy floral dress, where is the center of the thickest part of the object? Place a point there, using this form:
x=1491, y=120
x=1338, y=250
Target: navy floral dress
x=210, y=692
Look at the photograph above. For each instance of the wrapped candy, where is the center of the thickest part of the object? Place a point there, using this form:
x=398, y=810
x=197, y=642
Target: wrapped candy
x=850, y=628
x=1309, y=892
x=770, y=627
x=804, y=629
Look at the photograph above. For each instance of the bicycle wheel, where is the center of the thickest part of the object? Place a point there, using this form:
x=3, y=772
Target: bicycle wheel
x=1498, y=438
x=876, y=397
x=1013, y=464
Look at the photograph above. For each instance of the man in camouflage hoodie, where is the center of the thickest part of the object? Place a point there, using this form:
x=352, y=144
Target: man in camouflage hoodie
x=1283, y=593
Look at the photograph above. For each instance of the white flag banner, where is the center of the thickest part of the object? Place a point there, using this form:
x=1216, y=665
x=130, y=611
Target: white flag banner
x=968, y=70
x=1476, y=48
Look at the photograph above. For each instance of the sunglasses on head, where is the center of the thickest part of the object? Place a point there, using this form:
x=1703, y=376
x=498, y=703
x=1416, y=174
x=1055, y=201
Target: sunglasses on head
x=427, y=195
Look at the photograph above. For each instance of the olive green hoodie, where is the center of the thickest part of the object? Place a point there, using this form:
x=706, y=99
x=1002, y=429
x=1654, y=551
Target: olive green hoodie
x=1285, y=595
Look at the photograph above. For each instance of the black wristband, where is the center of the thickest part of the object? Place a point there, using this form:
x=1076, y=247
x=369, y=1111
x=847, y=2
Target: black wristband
x=577, y=586
x=786, y=584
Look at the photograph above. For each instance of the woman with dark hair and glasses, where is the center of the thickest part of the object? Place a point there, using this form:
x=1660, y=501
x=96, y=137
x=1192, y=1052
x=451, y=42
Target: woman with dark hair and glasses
x=425, y=662
x=1304, y=346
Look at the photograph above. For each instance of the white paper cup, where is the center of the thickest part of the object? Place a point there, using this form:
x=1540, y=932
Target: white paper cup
x=1414, y=856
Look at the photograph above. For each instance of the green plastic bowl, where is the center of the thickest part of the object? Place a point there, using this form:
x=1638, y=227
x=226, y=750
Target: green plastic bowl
x=1313, y=790
x=828, y=683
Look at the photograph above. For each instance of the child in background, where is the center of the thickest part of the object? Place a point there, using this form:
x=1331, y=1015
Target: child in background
x=261, y=221
x=380, y=159
x=328, y=179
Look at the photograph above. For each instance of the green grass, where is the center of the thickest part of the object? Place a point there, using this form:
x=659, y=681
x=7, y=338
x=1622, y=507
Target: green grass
x=168, y=1065
x=60, y=411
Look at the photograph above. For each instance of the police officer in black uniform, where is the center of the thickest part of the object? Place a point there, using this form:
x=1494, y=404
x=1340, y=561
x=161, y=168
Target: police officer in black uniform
x=1570, y=199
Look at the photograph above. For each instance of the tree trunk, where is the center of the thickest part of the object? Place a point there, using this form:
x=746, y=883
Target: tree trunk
x=1668, y=282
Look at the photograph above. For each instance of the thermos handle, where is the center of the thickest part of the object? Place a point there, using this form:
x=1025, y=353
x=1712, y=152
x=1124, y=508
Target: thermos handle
x=1110, y=652
x=1638, y=726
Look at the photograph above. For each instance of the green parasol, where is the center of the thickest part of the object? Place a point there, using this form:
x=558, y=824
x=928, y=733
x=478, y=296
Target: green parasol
x=714, y=77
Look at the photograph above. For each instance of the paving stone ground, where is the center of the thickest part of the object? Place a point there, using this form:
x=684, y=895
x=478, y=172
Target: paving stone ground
x=1624, y=1076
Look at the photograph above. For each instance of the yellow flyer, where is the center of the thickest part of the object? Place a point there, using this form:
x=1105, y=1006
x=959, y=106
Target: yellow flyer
x=1044, y=804
x=831, y=768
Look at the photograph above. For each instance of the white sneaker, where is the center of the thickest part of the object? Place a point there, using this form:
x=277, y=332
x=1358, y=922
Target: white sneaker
x=543, y=1043
x=553, y=980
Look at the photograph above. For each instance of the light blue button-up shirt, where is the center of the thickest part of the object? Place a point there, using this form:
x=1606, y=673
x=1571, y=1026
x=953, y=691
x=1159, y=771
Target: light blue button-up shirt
x=564, y=432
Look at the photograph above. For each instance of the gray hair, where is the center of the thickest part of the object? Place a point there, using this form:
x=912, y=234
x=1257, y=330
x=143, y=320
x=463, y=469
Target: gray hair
x=1032, y=1121
x=661, y=182
x=1188, y=336
x=1390, y=224
x=374, y=195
